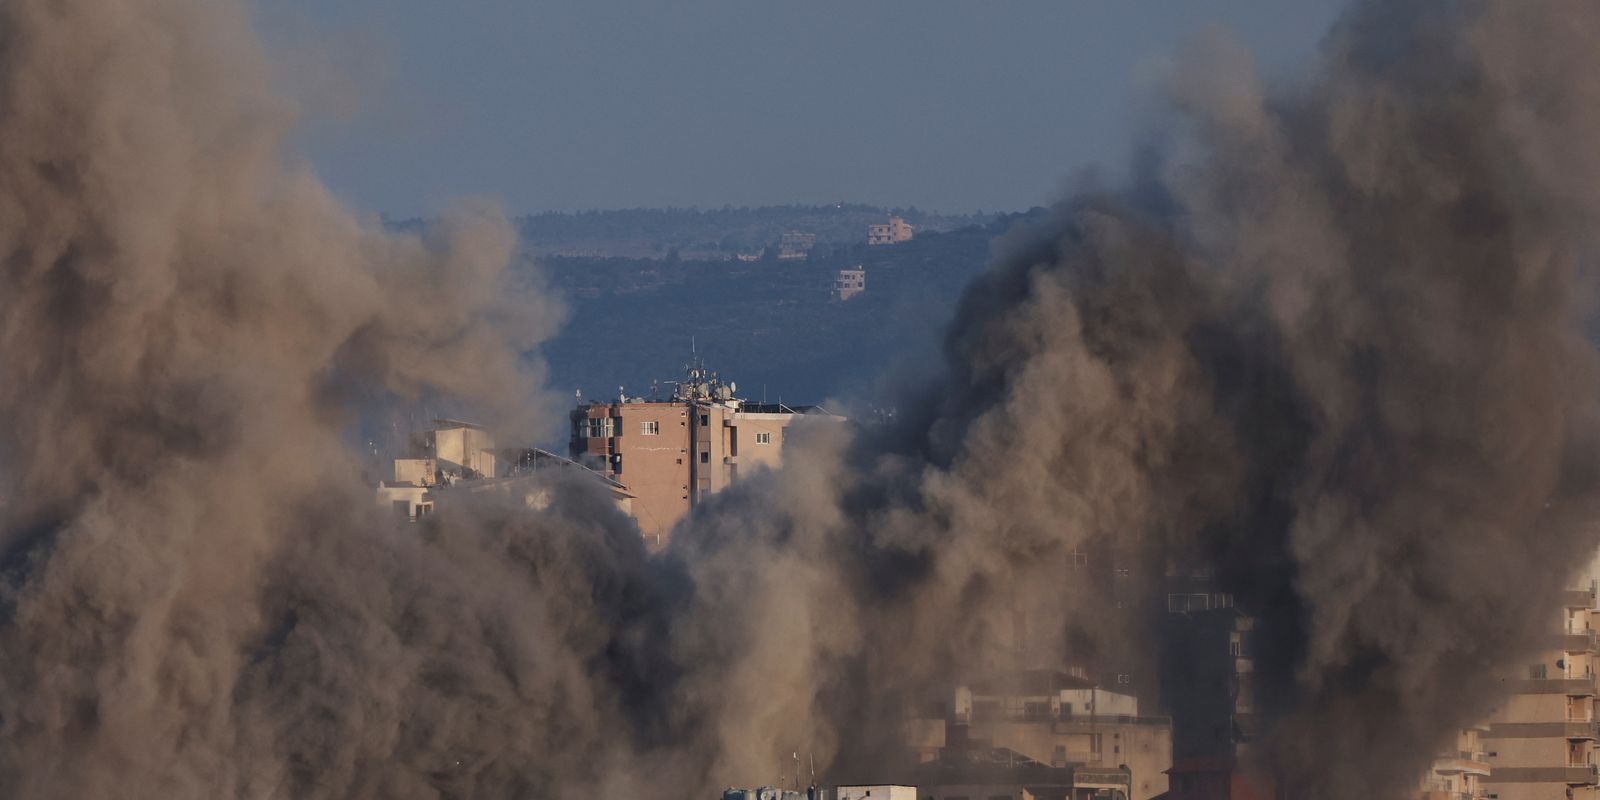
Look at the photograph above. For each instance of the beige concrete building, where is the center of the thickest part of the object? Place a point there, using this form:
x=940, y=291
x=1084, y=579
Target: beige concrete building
x=1541, y=743
x=893, y=232
x=1052, y=719
x=458, y=459
x=1458, y=773
x=672, y=453
x=848, y=283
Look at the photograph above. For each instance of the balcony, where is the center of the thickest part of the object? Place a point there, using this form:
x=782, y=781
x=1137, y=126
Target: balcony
x=1583, y=774
x=1462, y=761
x=1578, y=598
x=1567, y=686
x=1577, y=729
x=1574, y=775
x=1580, y=641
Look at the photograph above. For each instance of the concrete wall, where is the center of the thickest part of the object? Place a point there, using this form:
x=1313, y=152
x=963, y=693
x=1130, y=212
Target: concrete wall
x=410, y=502
x=467, y=452
x=414, y=471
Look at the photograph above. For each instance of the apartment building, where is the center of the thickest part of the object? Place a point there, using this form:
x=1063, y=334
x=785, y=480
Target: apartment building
x=1541, y=742
x=1207, y=669
x=895, y=231
x=848, y=283
x=1459, y=771
x=672, y=453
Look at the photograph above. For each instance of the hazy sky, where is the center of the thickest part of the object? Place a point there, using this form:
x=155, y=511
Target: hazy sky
x=616, y=103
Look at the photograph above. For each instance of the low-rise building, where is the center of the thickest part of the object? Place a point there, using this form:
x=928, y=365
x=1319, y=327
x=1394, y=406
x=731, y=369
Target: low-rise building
x=459, y=458
x=895, y=231
x=848, y=283
x=1057, y=719
x=1001, y=774
x=882, y=791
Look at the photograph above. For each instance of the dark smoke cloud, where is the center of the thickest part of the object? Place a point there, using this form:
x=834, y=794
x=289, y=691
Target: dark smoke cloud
x=1330, y=341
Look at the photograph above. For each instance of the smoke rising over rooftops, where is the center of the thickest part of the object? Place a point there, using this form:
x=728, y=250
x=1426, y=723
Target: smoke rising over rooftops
x=1331, y=342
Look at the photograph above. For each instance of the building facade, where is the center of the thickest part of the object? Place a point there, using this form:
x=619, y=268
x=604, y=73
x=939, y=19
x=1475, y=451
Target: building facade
x=895, y=231
x=848, y=283
x=1541, y=742
x=456, y=459
x=1459, y=772
x=670, y=454
x=1058, y=720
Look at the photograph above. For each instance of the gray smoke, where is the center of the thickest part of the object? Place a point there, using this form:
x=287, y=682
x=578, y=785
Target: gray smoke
x=1331, y=341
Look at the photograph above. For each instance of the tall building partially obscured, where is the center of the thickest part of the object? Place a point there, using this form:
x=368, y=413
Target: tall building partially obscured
x=672, y=453
x=1207, y=670
x=1541, y=743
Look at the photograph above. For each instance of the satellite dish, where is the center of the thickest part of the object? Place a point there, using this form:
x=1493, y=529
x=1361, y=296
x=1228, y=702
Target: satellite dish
x=733, y=387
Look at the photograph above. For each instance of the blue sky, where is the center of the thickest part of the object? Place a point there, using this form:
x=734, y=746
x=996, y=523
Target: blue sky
x=940, y=104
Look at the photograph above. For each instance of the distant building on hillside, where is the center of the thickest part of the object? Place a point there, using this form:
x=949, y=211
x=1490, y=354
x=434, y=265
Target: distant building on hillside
x=670, y=454
x=895, y=231
x=848, y=283
x=795, y=246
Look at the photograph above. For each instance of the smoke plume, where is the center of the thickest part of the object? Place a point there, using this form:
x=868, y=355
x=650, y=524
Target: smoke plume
x=1330, y=341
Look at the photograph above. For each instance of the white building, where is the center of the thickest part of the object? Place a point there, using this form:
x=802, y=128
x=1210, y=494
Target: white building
x=886, y=791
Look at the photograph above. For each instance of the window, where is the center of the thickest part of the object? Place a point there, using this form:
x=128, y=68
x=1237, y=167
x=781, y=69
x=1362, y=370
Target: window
x=763, y=438
x=602, y=428
x=705, y=419
x=705, y=457
x=1078, y=559
x=1124, y=678
x=650, y=428
x=1537, y=672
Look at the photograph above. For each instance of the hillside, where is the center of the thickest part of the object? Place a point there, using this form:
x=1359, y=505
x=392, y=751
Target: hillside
x=713, y=234
x=771, y=326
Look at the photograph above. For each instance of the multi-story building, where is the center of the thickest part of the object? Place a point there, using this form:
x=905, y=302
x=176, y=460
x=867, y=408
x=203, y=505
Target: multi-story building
x=1208, y=686
x=848, y=283
x=1458, y=772
x=1541, y=742
x=1053, y=719
x=1207, y=669
x=795, y=246
x=893, y=232
x=672, y=453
